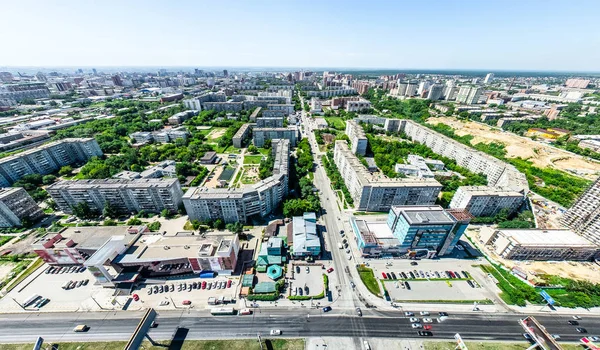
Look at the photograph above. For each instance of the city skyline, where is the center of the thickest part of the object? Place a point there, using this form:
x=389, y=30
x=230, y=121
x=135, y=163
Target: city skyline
x=531, y=36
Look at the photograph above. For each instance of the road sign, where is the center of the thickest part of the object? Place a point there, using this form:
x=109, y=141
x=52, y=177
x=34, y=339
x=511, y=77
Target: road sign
x=460, y=344
x=547, y=297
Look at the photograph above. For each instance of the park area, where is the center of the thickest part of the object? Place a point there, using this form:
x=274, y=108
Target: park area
x=336, y=123
x=538, y=153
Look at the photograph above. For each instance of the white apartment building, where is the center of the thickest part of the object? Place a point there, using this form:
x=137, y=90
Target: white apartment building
x=237, y=205
x=127, y=196
x=488, y=78
x=260, y=135
x=436, y=92
x=17, y=205
x=469, y=94
x=584, y=216
x=486, y=200
x=378, y=192
x=357, y=136
x=47, y=158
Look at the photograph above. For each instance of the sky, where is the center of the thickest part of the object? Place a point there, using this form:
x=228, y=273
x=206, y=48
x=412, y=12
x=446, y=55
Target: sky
x=431, y=34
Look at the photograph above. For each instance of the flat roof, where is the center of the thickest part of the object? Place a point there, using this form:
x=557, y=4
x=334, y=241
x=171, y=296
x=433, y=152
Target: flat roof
x=91, y=237
x=536, y=237
x=433, y=214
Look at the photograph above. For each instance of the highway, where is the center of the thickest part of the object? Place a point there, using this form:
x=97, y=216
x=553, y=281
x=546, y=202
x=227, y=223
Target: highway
x=292, y=323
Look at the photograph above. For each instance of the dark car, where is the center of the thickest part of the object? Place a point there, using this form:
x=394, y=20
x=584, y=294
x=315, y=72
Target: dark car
x=403, y=275
x=573, y=323
x=470, y=283
x=581, y=330
x=358, y=311
x=407, y=285
x=425, y=333
x=414, y=263
x=456, y=274
x=393, y=276
x=412, y=275
x=443, y=314
x=327, y=309
x=466, y=274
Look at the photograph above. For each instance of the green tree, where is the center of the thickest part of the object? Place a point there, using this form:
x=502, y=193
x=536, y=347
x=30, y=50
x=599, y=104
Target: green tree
x=165, y=213
x=109, y=211
x=83, y=211
x=218, y=224
x=48, y=179
x=134, y=221
x=235, y=227
x=252, y=149
x=66, y=170
x=155, y=226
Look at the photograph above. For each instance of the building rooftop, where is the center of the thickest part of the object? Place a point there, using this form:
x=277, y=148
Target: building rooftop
x=423, y=215
x=90, y=237
x=536, y=237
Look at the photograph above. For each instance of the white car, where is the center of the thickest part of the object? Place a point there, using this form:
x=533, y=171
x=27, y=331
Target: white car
x=427, y=320
x=424, y=313
x=408, y=313
x=417, y=325
x=414, y=319
x=349, y=257
x=275, y=332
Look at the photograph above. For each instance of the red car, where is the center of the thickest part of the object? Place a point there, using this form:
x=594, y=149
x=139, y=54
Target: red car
x=426, y=327
x=384, y=275
x=330, y=270
x=186, y=302
x=136, y=297
x=203, y=284
x=229, y=284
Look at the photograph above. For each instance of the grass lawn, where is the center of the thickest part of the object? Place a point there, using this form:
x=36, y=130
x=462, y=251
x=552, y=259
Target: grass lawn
x=264, y=151
x=368, y=278
x=5, y=239
x=336, y=123
x=434, y=345
x=246, y=344
x=253, y=159
x=38, y=262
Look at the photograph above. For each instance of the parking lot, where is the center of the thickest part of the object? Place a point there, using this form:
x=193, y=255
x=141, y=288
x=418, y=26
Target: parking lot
x=303, y=279
x=435, y=284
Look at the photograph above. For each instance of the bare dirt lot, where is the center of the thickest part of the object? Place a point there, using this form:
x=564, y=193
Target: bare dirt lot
x=538, y=153
x=216, y=133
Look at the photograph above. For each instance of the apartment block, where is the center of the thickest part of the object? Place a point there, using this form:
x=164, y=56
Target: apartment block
x=273, y=114
x=377, y=192
x=11, y=94
x=469, y=94
x=260, y=135
x=584, y=216
x=127, y=196
x=357, y=136
x=241, y=135
x=284, y=107
x=499, y=174
x=536, y=244
x=47, y=158
x=237, y=205
x=17, y=205
x=161, y=136
x=269, y=122
x=486, y=200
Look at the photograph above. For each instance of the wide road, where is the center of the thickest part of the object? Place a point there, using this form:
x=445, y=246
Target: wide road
x=292, y=323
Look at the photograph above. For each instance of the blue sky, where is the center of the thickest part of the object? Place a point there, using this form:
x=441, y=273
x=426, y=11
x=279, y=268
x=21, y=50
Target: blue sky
x=445, y=34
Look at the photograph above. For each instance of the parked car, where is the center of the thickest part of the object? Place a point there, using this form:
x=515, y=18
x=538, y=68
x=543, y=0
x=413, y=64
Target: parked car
x=229, y=282
x=136, y=297
x=330, y=270
x=186, y=302
x=327, y=309
x=86, y=281
x=384, y=275
x=424, y=313
x=581, y=330
x=416, y=325
x=275, y=332
x=358, y=311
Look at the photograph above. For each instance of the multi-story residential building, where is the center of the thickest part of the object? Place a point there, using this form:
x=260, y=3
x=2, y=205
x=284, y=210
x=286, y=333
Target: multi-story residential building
x=305, y=237
x=411, y=88
x=536, y=244
x=584, y=216
x=161, y=136
x=499, y=174
x=486, y=200
x=254, y=114
x=47, y=159
x=260, y=135
x=370, y=119
x=241, y=135
x=237, y=205
x=376, y=192
x=332, y=92
x=12, y=94
x=469, y=94
x=577, y=83
x=272, y=114
x=269, y=122
x=488, y=78
x=427, y=231
x=150, y=195
x=180, y=117
x=315, y=105
x=224, y=106
x=287, y=108
x=17, y=205
x=436, y=92
x=357, y=105
x=357, y=136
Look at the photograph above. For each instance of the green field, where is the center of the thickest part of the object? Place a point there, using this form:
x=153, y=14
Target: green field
x=252, y=159
x=336, y=123
x=251, y=344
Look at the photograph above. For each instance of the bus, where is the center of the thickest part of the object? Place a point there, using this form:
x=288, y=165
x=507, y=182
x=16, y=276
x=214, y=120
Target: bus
x=222, y=311
x=32, y=299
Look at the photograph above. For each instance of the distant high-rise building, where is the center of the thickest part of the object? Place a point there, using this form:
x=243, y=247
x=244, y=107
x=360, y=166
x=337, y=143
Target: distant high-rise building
x=488, y=78
x=584, y=216
x=94, y=71
x=411, y=89
x=225, y=73
x=116, y=79
x=469, y=94
x=6, y=77
x=423, y=86
x=435, y=92
x=41, y=77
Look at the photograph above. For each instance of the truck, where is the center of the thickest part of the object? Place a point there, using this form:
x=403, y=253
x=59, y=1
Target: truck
x=213, y=301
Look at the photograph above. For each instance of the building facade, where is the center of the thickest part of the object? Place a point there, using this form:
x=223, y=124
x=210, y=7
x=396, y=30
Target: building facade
x=357, y=136
x=584, y=216
x=126, y=196
x=377, y=192
x=47, y=158
x=486, y=200
x=260, y=135
x=17, y=205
